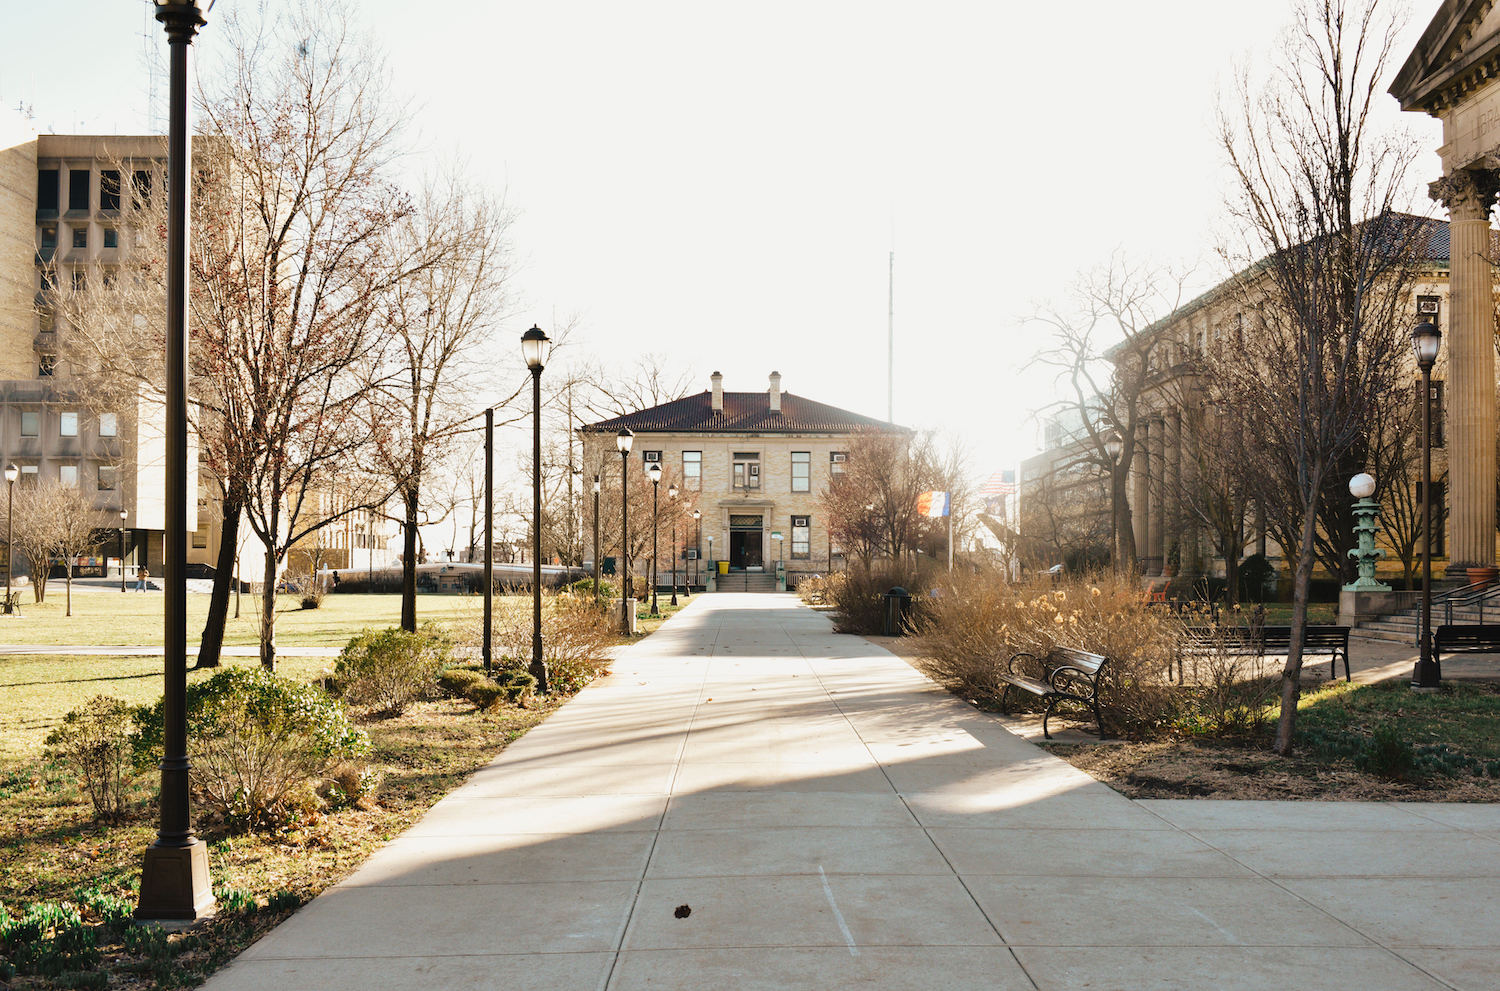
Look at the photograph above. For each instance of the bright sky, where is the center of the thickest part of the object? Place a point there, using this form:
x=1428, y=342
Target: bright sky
x=722, y=183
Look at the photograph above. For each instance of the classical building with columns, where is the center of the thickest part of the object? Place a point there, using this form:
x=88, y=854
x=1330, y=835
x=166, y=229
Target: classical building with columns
x=1178, y=529
x=1454, y=74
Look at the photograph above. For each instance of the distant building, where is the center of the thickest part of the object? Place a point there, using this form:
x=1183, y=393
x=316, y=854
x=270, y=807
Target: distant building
x=754, y=463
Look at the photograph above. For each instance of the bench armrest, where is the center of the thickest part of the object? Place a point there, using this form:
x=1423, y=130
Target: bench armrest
x=1011, y=664
x=1066, y=674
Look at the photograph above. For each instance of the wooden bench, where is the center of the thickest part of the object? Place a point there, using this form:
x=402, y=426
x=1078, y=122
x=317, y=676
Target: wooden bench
x=1332, y=641
x=1066, y=675
x=1469, y=638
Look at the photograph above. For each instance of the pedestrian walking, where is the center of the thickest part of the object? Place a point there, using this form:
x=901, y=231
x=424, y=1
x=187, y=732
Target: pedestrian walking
x=141, y=578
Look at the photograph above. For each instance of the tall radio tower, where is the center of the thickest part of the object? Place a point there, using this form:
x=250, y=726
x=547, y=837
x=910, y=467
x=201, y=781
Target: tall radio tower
x=156, y=122
x=890, y=343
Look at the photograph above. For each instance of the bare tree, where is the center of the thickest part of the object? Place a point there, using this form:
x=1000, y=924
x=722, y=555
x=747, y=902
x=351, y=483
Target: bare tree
x=650, y=382
x=294, y=268
x=1106, y=352
x=439, y=319
x=1317, y=190
x=33, y=527
x=872, y=508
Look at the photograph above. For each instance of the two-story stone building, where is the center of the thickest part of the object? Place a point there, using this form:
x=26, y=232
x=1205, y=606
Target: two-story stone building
x=755, y=464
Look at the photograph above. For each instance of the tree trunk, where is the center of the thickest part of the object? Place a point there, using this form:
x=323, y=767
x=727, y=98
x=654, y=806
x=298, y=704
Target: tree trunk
x=1291, y=686
x=409, y=494
x=68, y=577
x=268, y=613
x=212, y=641
x=1232, y=577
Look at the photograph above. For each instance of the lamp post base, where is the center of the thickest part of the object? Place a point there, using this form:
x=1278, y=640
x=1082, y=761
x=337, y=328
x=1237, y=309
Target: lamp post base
x=1427, y=676
x=174, y=884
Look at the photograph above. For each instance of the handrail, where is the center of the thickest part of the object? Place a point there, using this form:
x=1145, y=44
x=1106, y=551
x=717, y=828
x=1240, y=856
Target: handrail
x=1479, y=592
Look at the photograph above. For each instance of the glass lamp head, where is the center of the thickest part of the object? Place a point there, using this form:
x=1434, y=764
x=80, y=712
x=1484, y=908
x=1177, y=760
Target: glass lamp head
x=697, y=515
x=1426, y=339
x=624, y=439
x=1113, y=446
x=534, y=348
x=653, y=471
x=596, y=485
x=672, y=491
x=1362, y=486
x=12, y=472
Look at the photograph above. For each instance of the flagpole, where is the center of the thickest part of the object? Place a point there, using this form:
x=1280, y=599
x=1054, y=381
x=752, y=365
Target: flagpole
x=950, y=536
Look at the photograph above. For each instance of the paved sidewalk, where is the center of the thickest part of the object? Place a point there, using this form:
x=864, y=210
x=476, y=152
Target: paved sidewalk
x=753, y=802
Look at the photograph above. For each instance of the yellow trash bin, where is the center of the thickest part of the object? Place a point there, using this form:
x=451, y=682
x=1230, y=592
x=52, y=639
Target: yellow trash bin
x=723, y=567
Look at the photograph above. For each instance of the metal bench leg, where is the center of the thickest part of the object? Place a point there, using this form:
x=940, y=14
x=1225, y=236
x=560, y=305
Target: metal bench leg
x=1099, y=719
x=1046, y=734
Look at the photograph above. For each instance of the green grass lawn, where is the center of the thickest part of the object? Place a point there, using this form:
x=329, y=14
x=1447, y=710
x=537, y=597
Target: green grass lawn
x=1461, y=717
x=108, y=617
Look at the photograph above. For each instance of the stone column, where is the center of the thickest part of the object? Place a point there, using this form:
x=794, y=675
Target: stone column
x=1470, y=350
x=1158, y=521
x=1192, y=565
x=1171, y=491
x=1140, y=498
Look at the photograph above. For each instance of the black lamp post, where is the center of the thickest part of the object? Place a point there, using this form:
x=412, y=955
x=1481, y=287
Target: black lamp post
x=623, y=440
x=534, y=349
x=11, y=474
x=672, y=502
x=486, y=650
x=1114, y=445
x=697, y=544
x=1426, y=339
x=653, y=471
x=596, y=539
x=174, y=878
x=123, y=516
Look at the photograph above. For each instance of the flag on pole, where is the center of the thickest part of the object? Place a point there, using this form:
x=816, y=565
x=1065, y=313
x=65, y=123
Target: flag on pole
x=933, y=504
x=1001, y=483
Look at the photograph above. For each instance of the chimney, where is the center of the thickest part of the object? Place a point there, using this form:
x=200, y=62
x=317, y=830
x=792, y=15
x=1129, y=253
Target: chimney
x=775, y=392
x=718, y=381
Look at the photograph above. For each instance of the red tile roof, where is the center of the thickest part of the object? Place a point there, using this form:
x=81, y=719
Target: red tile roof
x=743, y=413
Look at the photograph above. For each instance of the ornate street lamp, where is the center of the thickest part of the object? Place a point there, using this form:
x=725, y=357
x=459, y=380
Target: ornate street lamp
x=11, y=474
x=123, y=516
x=672, y=502
x=653, y=471
x=1114, y=446
x=174, y=878
x=1426, y=339
x=596, y=539
x=534, y=350
x=623, y=440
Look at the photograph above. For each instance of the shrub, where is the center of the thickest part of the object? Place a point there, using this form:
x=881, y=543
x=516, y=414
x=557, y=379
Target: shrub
x=576, y=637
x=813, y=589
x=517, y=685
x=976, y=623
x=858, y=597
x=457, y=682
x=1386, y=754
x=485, y=694
x=585, y=586
x=387, y=670
x=94, y=743
x=256, y=742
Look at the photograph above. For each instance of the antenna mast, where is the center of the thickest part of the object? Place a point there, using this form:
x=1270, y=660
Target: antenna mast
x=890, y=343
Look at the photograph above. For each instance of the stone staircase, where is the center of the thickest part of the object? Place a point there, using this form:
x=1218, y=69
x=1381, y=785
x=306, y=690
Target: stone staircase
x=746, y=581
x=1401, y=627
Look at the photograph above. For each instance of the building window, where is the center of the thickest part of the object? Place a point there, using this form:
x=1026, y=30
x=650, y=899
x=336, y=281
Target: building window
x=111, y=237
x=692, y=471
x=140, y=181
x=801, y=471
x=801, y=537
x=45, y=321
x=31, y=423
x=109, y=425
x=837, y=461
x=80, y=237
x=48, y=242
x=651, y=457
x=109, y=189
x=67, y=424
x=46, y=366
x=107, y=477
x=28, y=475
x=78, y=189
x=68, y=475
x=47, y=281
x=46, y=190
x=747, y=470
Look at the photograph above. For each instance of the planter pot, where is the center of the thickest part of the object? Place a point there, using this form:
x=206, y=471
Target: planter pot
x=1483, y=576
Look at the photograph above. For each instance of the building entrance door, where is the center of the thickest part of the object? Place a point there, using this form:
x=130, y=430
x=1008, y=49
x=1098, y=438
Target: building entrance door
x=745, y=543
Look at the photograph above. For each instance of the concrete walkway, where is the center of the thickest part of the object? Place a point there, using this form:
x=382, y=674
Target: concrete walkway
x=752, y=802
